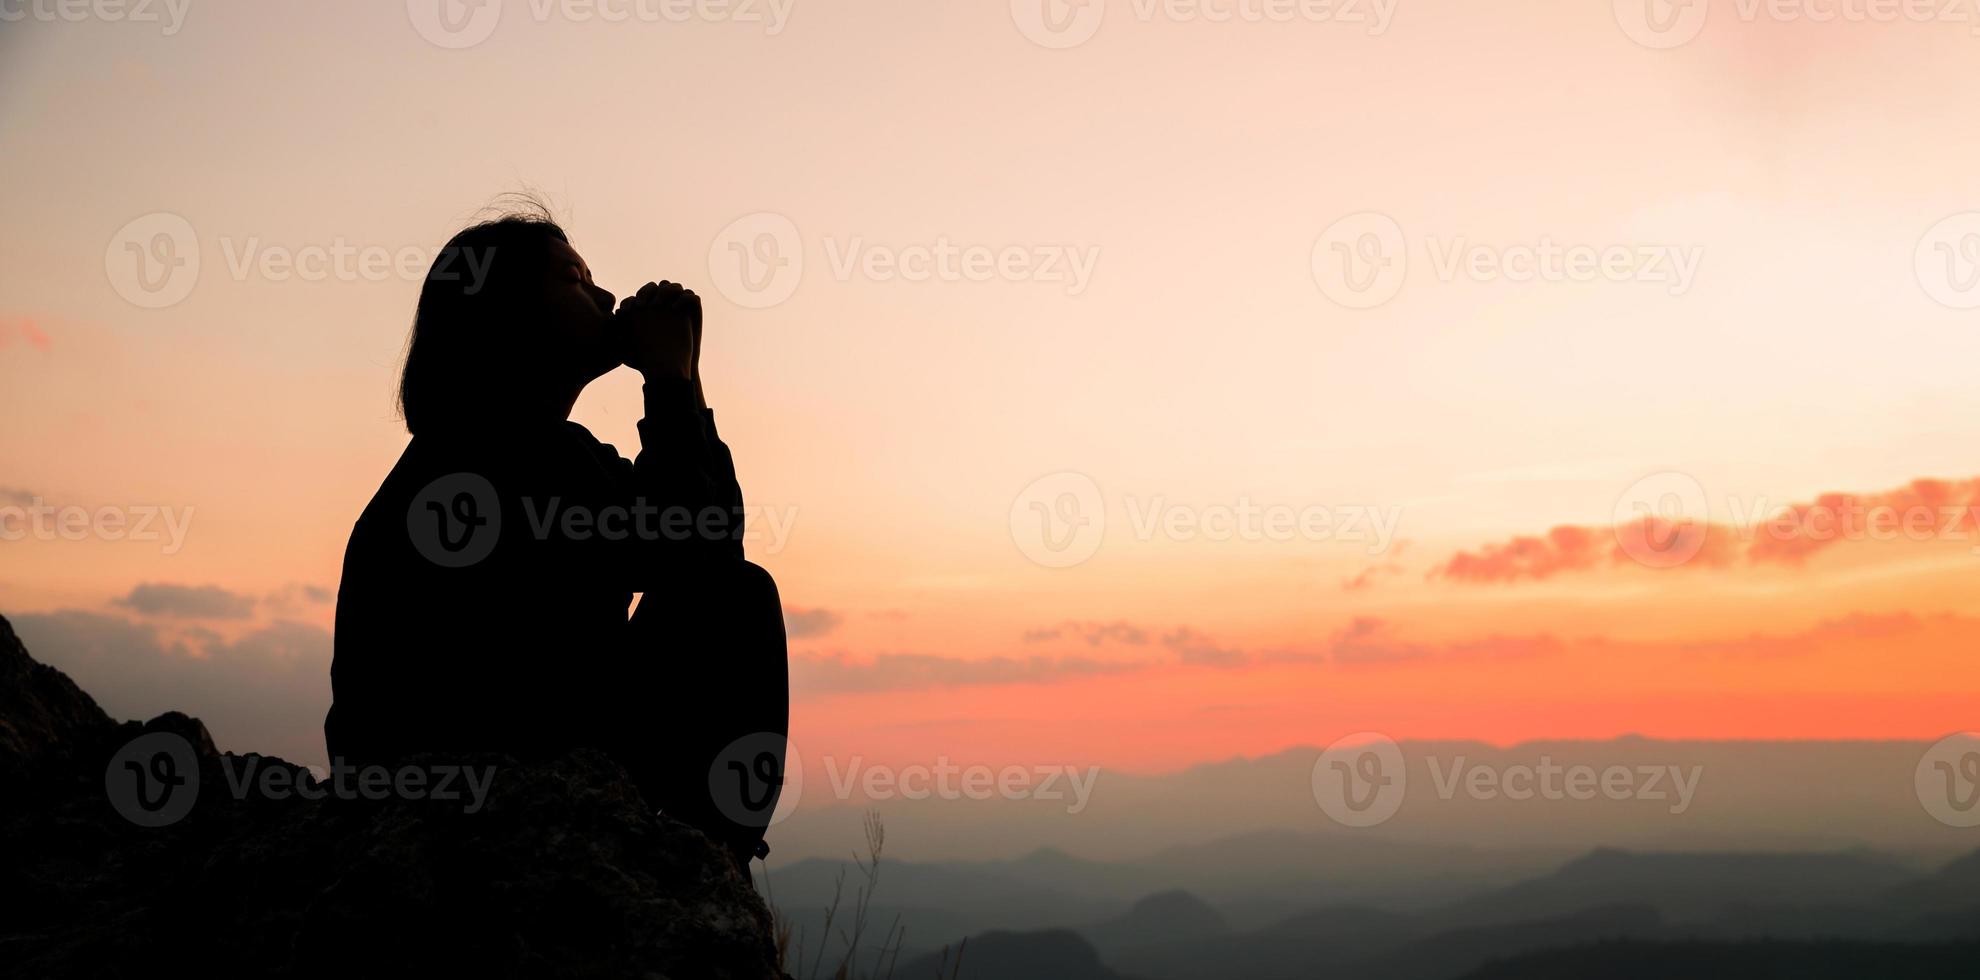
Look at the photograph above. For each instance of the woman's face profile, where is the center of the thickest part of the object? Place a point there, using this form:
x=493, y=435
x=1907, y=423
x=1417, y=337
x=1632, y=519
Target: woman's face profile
x=579, y=313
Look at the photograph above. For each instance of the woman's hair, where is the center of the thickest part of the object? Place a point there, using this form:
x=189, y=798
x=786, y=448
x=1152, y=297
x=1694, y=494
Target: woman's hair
x=468, y=340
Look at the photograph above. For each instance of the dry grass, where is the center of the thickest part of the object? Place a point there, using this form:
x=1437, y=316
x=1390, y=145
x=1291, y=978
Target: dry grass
x=853, y=935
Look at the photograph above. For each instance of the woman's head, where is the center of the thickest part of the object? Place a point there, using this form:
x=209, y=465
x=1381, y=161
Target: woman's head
x=508, y=320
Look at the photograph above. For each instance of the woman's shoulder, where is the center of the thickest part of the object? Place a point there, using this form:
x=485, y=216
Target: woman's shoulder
x=558, y=460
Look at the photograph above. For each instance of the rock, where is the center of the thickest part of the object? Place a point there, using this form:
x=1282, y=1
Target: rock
x=554, y=869
x=45, y=719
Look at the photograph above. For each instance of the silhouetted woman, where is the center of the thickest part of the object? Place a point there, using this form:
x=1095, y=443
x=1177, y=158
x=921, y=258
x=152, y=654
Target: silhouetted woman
x=484, y=599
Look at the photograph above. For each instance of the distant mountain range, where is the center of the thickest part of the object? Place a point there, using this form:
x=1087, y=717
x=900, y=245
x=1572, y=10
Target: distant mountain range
x=1760, y=960
x=1234, y=870
x=1057, y=954
x=1701, y=911
x=1799, y=796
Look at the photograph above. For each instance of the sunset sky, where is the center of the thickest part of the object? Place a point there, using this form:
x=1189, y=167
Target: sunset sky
x=1816, y=357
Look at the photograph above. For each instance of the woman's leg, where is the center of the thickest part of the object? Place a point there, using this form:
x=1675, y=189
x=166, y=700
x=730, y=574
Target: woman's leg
x=709, y=701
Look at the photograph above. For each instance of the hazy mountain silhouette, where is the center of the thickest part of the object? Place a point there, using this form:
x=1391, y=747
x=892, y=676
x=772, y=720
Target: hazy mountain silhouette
x=1686, y=886
x=1448, y=954
x=1707, y=900
x=1750, y=796
x=1254, y=880
x=1251, y=881
x=1630, y=960
x=1058, y=954
x=1167, y=917
x=1944, y=904
x=1300, y=946
x=1956, y=882
x=935, y=905
x=1262, y=877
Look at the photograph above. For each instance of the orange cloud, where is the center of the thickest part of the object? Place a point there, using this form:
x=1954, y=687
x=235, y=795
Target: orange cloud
x=1923, y=510
x=1920, y=510
x=1563, y=549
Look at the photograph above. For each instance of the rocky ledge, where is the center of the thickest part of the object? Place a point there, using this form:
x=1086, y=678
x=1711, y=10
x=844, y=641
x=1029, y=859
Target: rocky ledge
x=137, y=849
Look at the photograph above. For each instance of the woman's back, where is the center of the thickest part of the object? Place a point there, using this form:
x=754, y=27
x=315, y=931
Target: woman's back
x=469, y=617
